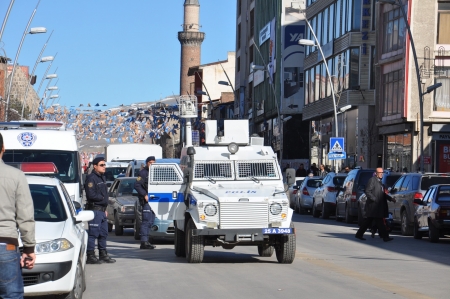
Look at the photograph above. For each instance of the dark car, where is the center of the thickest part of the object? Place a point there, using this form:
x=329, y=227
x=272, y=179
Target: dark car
x=352, y=189
x=433, y=213
x=389, y=179
x=122, y=199
x=407, y=188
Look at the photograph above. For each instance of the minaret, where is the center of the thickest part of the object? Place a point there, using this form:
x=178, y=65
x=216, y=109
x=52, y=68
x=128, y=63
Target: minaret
x=191, y=41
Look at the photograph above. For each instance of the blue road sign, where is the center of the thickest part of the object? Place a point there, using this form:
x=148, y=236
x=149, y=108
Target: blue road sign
x=337, y=145
x=337, y=156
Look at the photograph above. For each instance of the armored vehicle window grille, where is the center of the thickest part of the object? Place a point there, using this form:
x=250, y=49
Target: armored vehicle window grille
x=165, y=174
x=222, y=170
x=259, y=169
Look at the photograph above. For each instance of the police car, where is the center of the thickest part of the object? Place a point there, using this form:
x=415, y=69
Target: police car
x=61, y=238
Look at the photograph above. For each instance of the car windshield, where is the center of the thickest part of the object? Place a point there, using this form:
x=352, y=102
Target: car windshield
x=66, y=162
x=428, y=181
x=48, y=206
x=313, y=183
x=444, y=194
x=338, y=180
x=127, y=187
x=113, y=172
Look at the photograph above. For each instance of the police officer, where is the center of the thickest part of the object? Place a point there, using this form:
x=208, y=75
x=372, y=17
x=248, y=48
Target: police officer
x=141, y=187
x=97, y=200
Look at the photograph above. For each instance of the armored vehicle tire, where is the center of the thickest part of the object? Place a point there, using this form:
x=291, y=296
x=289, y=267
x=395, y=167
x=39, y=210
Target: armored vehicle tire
x=265, y=251
x=194, y=244
x=417, y=233
x=110, y=226
x=407, y=230
x=285, y=251
x=325, y=212
x=178, y=242
x=118, y=228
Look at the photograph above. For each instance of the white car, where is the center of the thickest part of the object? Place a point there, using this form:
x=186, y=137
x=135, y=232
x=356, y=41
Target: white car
x=61, y=239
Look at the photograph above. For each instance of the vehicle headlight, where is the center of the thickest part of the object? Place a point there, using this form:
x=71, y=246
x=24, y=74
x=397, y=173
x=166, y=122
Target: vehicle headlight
x=53, y=246
x=210, y=210
x=125, y=209
x=275, y=208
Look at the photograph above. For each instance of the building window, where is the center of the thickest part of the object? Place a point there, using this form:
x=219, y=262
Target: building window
x=239, y=7
x=238, y=63
x=307, y=87
x=317, y=83
x=331, y=23
x=354, y=67
x=250, y=54
x=311, y=85
x=372, y=67
x=394, y=31
x=356, y=15
x=442, y=94
x=252, y=22
x=239, y=36
x=443, y=36
x=393, y=87
x=337, y=25
x=399, y=152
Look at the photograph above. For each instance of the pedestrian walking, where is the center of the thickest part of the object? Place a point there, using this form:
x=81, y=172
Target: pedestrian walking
x=16, y=212
x=376, y=207
x=148, y=215
x=97, y=201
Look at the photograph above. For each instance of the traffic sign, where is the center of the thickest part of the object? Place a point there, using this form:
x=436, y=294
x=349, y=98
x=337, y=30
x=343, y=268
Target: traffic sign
x=337, y=156
x=337, y=145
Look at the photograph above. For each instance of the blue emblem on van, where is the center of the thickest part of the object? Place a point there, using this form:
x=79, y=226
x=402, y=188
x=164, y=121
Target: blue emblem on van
x=27, y=139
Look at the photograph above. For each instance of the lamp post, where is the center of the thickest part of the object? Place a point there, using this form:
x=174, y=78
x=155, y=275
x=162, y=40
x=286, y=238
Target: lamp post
x=419, y=86
x=308, y=42
x=35, y=30
x=6, y=19
x=39, y=59
x=51, y=76
x=51, y=88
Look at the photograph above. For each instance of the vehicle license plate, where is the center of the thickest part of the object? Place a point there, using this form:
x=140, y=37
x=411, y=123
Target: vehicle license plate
x=277, y=231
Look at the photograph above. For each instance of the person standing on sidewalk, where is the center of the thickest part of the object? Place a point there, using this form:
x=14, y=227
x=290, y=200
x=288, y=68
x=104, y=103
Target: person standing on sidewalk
x=376, y=207
x=141, y=187
x=16, y=212
x=97, y=201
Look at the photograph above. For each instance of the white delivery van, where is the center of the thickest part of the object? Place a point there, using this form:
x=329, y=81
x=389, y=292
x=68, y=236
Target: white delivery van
x=125, y=152
x=45, y=141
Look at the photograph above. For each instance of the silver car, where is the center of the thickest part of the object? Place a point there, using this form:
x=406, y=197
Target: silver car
x=304, y=196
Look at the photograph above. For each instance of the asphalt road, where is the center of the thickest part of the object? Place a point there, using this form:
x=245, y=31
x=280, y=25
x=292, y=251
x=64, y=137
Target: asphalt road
x=329, y=263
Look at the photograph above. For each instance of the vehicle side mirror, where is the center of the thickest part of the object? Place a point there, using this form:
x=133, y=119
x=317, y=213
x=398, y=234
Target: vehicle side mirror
x=290, y=176
x=84, y=216
x=77, y=205
x=418, y=201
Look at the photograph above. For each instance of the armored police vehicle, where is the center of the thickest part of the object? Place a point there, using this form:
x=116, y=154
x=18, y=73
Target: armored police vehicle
x=226, y=193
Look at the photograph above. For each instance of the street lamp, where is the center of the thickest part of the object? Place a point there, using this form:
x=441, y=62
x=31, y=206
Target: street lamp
x=35, y=30
x=307, y=42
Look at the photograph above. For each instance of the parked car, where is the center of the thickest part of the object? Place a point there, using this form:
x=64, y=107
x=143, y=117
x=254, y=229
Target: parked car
x=433, y=213
x=407, y=188
x=292, y=190
x=122, y=199
x=61, y=238
x=324, y=197
x=353, y=188
x=303, y=198
x=388, y=180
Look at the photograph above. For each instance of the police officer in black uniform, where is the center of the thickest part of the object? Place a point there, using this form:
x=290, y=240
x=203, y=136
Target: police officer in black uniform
x=97, y=200
x=141, y=187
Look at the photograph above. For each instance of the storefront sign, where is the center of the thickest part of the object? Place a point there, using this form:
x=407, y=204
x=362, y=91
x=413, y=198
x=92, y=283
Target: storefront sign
x=264, y=34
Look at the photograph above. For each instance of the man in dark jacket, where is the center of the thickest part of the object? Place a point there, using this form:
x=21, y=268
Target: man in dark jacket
x=141, y=187
x=97, y=200
x=376, y=207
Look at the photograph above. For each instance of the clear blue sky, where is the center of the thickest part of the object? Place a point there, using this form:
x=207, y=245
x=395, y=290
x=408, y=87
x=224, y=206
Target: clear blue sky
x=114, y=51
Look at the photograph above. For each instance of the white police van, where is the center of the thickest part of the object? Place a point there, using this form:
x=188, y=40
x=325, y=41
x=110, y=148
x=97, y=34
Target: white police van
x=45, y=141
x=61, y=239
x=227, y=193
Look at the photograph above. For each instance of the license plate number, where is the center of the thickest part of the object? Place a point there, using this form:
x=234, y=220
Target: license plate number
x=277, y=231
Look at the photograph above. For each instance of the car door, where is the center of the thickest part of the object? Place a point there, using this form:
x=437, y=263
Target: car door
x=394, y=193
x=165, y=189
x=319, y=193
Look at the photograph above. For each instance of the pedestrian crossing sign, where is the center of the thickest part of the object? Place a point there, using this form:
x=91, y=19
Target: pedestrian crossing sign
x=337, y=145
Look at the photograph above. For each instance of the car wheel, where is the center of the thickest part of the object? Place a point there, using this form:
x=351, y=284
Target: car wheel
x=194, y=244
x=301, y=210
x=407, y=230
x=265, y=250
x=360, y=216
x=110, y=227
x=417, y=233
x=178, y=242
x=315, y=213
x=118, y=228
x=433, y=233
x=325, y=212
x=285, y=251
x=348, y=218
x=77, y=291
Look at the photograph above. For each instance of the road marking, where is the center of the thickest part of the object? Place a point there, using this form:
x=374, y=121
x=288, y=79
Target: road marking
x=382, y=284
